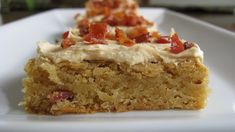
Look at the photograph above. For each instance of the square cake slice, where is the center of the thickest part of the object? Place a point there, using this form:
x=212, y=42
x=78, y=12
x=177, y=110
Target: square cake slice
x=102, y=78
x=115, y=64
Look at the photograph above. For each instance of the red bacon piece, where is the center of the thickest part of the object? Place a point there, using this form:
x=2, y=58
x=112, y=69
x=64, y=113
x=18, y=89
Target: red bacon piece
x=131, y=20
x=137, y=31
x=67, y=42
x=65, y=35
x=97, y=32
x=122, y=38
x=124, y=19
x=163, y=40
x=83, y=26
x=97, y=7
x=143, y=38
x=188, y=45
x=176, y=45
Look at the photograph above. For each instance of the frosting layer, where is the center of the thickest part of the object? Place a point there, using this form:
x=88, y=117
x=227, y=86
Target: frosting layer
x=139, y=53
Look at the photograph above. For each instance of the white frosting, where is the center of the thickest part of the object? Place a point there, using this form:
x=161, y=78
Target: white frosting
x=138, y=53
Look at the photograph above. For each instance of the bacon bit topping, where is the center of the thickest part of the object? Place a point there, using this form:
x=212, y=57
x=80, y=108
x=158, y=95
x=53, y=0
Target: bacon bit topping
x=124, y=19
x=188, y=45
x=176, y=45
x=97, y=33
x=98, y=30
x=122, y=38
x=67, y=42
x=83, y=23
x=115, y=19
x=60, y=95
x=163, y=40
x=131, y=6
x=83, y=26
x=143, y=38
x=106, y=3
x=137, y=31
x=83, y=31
x=143, y=20
x=131, y=20
x=111, y=20
x=155, y=35
x=110, y=36
x=65, y=35
x=97, y=7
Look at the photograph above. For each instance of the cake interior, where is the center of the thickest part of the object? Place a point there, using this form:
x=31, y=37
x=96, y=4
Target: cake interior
x=106, y=86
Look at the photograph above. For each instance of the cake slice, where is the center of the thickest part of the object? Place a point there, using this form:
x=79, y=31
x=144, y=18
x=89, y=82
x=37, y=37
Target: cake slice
x=101, y=67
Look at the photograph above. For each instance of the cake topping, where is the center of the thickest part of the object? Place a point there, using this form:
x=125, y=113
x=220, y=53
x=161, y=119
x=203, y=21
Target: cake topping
x=176, y=45
x=137, y=31
x=163, y=40
x=188, y=45
x=125, y=19
x=122, y=38
x=106, y=7
x=65, y=35
x=142, y=38
x=120, y=53
x=113, y=31
x=67, y=42
x=97, y=7
x=83, y=26
x=97, y=32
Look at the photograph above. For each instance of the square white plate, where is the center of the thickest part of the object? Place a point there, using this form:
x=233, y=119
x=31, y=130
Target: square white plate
x=18, y=44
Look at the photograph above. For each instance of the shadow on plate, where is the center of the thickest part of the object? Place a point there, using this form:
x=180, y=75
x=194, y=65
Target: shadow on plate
x=12, y=89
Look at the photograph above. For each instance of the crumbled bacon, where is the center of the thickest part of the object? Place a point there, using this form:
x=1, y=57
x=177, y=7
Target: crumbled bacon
x=97, y=7
x=110, y=36
x=67, y=42
x=163, y=40
x=65, y=35
x=60, y=95
x=155, y=35
x=137, y=31
x=98, y=30
x=131, y=20
x=97, y=33
x=176, y=45
x=106, y=3
x=143, y=38
x=83, y=23
x=188, y=45
x=83, y=26
x=83, y=31
x=142, y=20
x=123, y=18
x=115, y=19
x=111, y=20
x=133, y=6
x=122, y=38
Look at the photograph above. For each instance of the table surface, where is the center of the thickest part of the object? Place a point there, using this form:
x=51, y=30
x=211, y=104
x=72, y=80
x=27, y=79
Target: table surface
x=226, y=21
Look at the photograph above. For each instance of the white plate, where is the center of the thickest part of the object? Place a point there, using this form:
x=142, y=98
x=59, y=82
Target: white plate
x=18, y=44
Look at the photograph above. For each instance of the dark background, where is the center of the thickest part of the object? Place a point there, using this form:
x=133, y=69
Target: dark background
x=220, y=15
